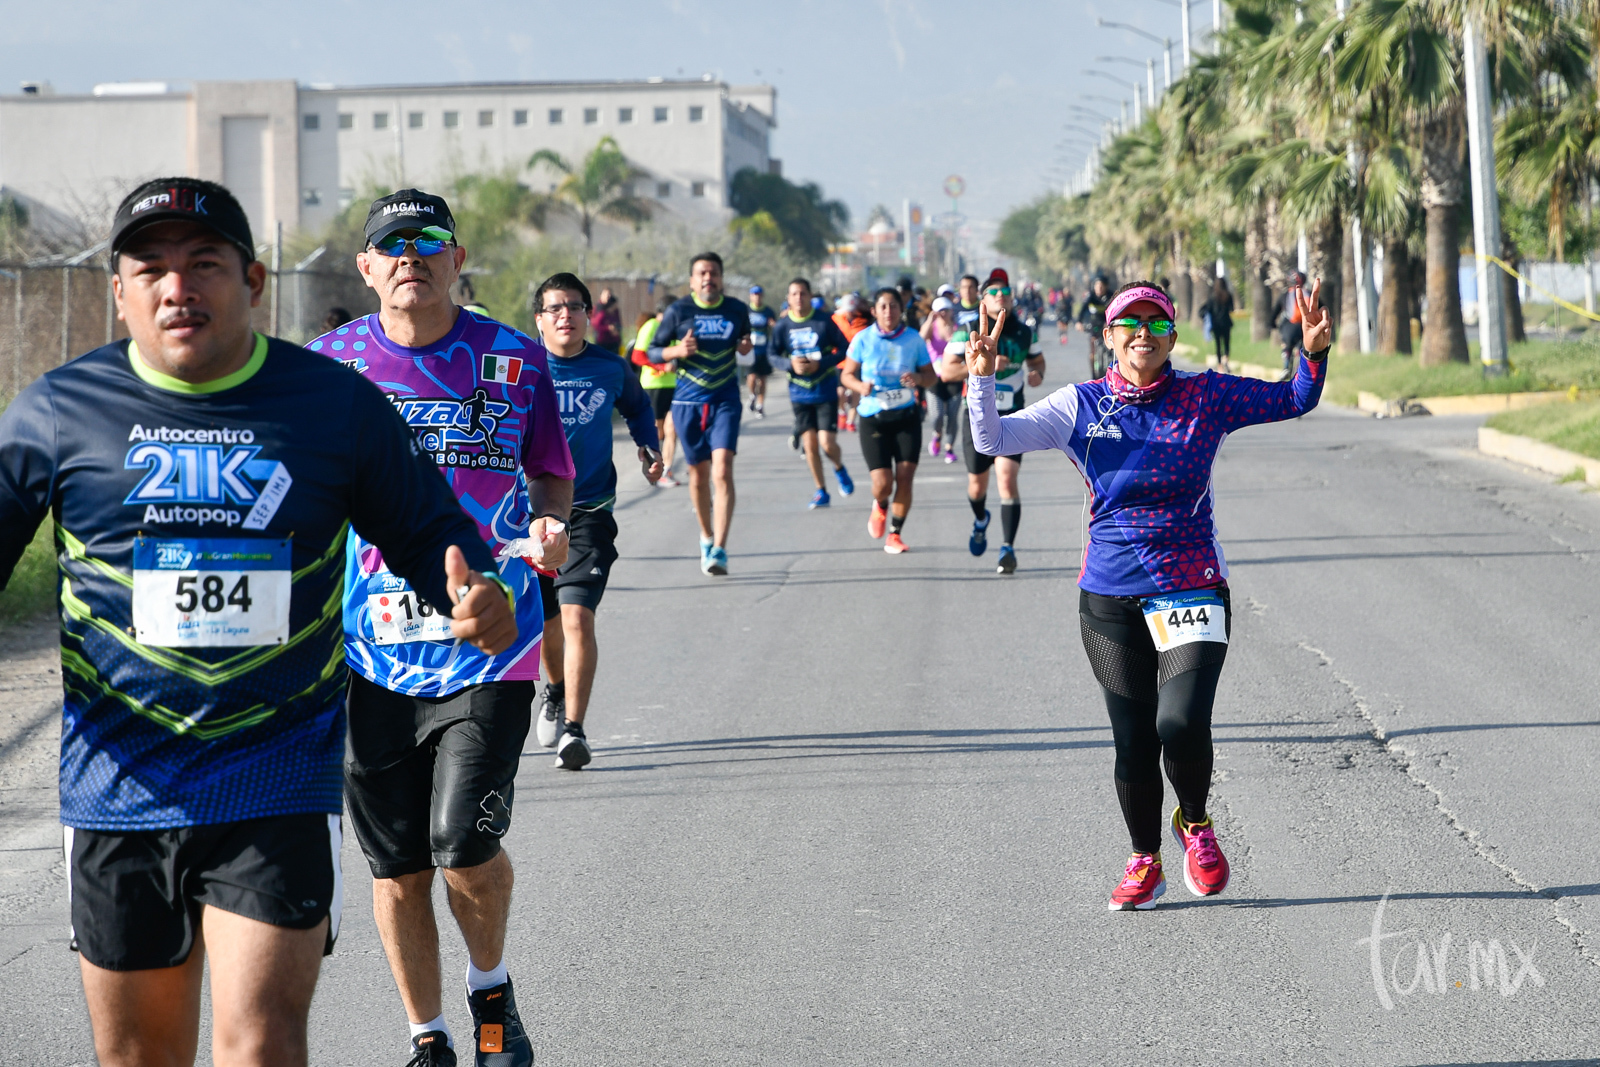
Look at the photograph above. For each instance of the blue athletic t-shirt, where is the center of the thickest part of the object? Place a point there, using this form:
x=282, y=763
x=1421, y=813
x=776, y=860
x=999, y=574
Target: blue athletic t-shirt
x=815, y=337
x=589, y=386
x=884, y=358
x=200, y=533
x=711, y=373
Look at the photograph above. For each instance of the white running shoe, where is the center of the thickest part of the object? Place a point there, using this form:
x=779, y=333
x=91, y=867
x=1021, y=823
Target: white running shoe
x=551, y=714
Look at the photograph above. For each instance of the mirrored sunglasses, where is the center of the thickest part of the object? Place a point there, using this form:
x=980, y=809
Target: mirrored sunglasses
x=1158, y=327
x=430, y=241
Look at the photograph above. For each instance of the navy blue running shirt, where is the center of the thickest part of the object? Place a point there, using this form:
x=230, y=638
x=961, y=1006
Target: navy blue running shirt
x=201, y=533
x=709, y=374
x=588, y=386
x=815, y=337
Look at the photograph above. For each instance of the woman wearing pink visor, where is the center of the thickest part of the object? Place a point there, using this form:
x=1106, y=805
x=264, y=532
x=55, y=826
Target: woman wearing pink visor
x=1153, y=604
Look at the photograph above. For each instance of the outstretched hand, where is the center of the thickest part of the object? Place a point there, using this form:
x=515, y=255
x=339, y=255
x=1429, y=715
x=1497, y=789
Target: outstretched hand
x=1316, y=326
x=983, y=344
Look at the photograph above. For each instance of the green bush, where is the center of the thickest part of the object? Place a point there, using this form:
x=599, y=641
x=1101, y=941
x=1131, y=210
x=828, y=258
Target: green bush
x=32, y=589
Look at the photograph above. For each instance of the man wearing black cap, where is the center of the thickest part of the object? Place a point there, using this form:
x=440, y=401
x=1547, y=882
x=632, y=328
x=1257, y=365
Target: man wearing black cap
x=202, y=479
x=436, y=730
x=1021, y=359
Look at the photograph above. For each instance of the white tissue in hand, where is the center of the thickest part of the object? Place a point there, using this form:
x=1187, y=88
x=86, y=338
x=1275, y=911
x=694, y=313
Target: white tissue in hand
x=529, y=548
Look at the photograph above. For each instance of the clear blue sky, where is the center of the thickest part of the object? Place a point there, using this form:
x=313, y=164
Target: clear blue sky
x=877, y=99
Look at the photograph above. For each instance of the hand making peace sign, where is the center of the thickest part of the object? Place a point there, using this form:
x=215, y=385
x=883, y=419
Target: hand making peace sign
x=983, y=344
x=1314, y=321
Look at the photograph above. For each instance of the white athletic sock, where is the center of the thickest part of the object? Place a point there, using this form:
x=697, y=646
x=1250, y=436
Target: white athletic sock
x=477, y=979
x=435, y=1024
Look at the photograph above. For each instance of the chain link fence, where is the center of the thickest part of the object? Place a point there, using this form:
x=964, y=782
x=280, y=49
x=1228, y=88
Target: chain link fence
x=54, y=312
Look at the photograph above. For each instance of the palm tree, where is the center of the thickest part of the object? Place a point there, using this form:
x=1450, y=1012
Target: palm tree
x=600, y=188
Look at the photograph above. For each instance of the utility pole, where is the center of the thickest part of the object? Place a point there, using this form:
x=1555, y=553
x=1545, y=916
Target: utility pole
x=1485, y=202
x=1187, y=48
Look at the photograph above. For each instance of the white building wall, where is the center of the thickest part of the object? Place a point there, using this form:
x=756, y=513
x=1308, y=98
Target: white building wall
x=685, y=151
x=81, y=154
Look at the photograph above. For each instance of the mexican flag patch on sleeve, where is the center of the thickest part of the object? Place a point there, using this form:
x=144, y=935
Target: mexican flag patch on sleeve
x=505, y=369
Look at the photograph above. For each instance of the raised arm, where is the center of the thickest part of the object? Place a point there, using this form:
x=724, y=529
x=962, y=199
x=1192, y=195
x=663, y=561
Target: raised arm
x=1047, y=424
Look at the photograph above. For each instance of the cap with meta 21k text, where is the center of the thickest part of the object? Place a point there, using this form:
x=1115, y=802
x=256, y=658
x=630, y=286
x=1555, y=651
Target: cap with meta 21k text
x=182, y=200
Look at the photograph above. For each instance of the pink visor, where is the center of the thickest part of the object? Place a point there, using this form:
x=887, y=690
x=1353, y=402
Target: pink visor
x=1136, y=294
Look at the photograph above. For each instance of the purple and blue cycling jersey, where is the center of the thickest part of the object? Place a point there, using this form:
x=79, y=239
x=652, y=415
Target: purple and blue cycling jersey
x=482, y=403
x=1148, y=466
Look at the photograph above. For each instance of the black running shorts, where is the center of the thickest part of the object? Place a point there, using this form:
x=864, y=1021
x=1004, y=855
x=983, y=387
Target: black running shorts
x=823, y=416
x=977, y=462
x=891, y=437
x=592, y=537
x=661, y=401
x=136, y=896
x=429, y=781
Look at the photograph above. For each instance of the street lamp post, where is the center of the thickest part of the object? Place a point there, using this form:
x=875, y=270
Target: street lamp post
x=1183, y=5
x=1122, y=103
x=1485, y=201
x=1149, y=65
x=1164, y=42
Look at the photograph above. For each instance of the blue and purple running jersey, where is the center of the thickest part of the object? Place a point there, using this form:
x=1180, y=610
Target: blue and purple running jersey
x=1147, y=465
x=482, y=404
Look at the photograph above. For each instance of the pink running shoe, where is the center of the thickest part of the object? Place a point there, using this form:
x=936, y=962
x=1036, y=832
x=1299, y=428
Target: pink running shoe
x=1205, y=868
x=1141, y=884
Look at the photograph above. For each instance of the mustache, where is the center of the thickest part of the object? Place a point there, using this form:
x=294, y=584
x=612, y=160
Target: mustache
x=166, y=320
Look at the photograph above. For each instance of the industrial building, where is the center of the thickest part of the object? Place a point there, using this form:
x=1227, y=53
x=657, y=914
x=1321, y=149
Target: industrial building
x=297, y=154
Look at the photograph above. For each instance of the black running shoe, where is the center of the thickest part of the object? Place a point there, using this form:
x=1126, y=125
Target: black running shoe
x=497, y=1031
x=432, y=1049
x=573, y=753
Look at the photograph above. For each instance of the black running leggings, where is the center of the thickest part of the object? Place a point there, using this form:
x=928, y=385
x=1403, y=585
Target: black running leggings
x=1160, y=708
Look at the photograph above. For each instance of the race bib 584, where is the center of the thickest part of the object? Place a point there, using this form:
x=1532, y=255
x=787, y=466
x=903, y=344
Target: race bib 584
x=211, y=592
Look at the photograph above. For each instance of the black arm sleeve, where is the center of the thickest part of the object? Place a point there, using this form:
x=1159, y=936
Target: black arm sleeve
x=400, y=502
x=27, y=471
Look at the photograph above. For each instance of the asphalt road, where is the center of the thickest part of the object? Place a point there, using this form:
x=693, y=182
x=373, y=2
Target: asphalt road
x=849, y=808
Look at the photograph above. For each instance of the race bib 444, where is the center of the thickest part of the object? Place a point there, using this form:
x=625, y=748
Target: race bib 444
x=211, y=592
x=1183, y=618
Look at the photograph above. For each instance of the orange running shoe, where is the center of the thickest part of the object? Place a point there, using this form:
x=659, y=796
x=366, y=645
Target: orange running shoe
x=894, y=545
x=1141, y=884
x=1205, y=868
x=876, y=521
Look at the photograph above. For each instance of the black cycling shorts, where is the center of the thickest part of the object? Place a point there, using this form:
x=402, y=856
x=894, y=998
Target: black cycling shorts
x=891, y=437
x=661, y=401
x=592, y=537
x=823, y=416
x=761, y=368
x=977, y=462
x=428, y=780
x=136, y=896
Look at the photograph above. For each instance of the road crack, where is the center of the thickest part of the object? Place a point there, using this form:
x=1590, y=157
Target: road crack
x=1406, y=762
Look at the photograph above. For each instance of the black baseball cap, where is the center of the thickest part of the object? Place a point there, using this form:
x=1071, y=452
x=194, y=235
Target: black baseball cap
x=408, y=209
x=185, y=200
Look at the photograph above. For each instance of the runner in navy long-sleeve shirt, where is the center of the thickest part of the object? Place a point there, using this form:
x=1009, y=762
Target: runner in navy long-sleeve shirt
x=590, y=381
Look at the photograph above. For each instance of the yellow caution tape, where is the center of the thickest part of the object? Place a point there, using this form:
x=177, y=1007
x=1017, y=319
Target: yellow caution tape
x=1509, y=269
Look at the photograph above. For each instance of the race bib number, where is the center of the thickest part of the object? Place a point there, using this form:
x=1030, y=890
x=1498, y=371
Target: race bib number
x=1005, y=397
x=400, y=616
x=211, y=592
x=758, y=338
x=1184, y=618
x=892, y=398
